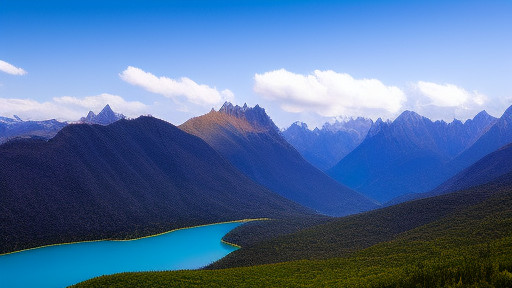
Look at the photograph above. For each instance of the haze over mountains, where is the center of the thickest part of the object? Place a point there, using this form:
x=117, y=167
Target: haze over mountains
x=11, y=128
x=485, y=170
x=492, y=166
x=127, y=179
x=495, y=137
x=327, y=146
x=409, y=155
x=15, y=127
x=250, y=140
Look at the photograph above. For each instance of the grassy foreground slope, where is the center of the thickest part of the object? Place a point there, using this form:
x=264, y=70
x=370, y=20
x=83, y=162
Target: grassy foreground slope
x=470, y=247
x=342, y=236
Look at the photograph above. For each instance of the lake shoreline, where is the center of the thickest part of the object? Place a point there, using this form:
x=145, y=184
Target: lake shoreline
x=143, y=237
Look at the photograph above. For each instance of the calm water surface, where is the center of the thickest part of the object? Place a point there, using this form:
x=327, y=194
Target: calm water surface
x=64, y=265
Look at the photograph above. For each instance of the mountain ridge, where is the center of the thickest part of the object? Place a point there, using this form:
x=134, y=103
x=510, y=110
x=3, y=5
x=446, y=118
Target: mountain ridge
x=105, y=117
x=326, y=146
x=407, y=155
x=258, y=150
x=12, y=128
x=128, y=179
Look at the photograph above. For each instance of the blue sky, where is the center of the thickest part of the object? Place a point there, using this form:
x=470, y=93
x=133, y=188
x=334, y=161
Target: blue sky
x=301, y=60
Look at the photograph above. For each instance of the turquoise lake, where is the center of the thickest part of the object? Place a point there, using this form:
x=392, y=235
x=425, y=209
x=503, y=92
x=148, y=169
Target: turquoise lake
x=68, y=264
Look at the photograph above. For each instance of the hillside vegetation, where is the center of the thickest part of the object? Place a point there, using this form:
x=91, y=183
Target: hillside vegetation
x=471, y=246
x=125, y=180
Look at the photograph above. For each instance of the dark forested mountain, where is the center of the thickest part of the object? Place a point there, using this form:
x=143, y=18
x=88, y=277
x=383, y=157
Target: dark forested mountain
x=407, y=155
x=105, y=117
x=327, y=146
x=343, y=236
x=17, y=128
x=130, y=178
x=460, y=239
x=250, y=140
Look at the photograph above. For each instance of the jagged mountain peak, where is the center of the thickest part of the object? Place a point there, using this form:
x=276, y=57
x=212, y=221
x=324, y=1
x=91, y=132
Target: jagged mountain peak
x=254, y=115
x=300, y=125
x=455, y=122
x=105, y=117
x=106, y=110
x=89, y=118
x=359, y=124
x=376, y=127
x=507, y=115
x=482, y=115
x=15, y=119
x=235, y=110
x=409, y=116
x=482, y=120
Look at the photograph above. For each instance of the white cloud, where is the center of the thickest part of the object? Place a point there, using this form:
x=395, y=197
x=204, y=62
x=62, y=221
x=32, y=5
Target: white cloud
x=449, y=95
x=198, y=94
x=445, y=101
x=11, y=69
x=69, y=108
x=329, y=93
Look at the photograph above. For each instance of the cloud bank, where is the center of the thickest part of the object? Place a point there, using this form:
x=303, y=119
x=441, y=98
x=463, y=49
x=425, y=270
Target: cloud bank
x=11, y=69
x=332, y=94
x=445, y=101
x=68, y=108
x=449, y=95
x=178, y=90
x=329, y=93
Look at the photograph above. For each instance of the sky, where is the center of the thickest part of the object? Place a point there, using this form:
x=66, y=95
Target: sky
x=310, y=61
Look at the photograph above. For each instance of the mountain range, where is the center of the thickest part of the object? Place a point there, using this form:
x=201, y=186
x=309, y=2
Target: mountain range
x=249, y=139
x=496, y=136
x=12, y=128
x=105, y=117
x=128, y=179
x=409, y=155
x=327, y=146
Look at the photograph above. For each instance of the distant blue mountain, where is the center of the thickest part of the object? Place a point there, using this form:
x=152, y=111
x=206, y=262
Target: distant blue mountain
x=488, y=158
x=327, y=146
x=105, y=117
x=408, y=155
x=485, y=170
x=250, y=140
x=496, y=136
x=11, y=128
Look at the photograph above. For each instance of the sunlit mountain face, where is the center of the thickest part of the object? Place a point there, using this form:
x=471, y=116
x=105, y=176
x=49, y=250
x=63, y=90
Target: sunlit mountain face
x=251, y=141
